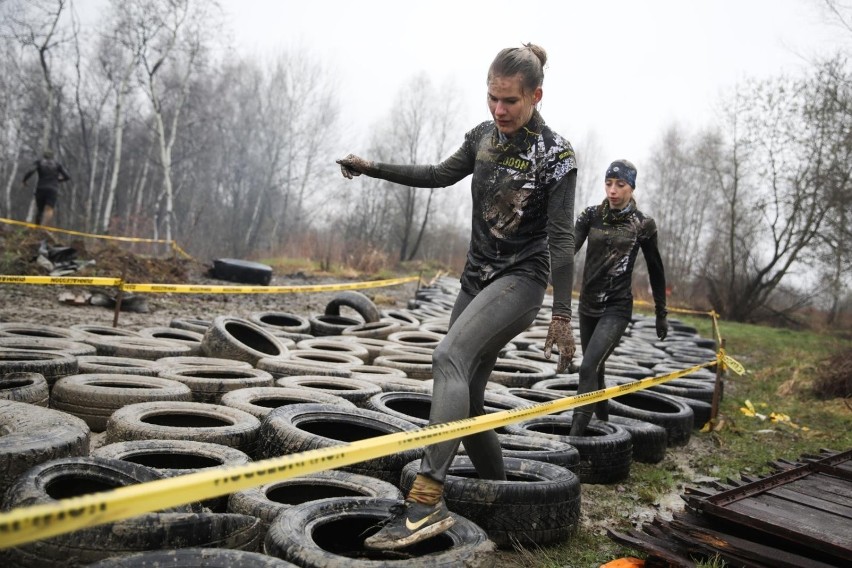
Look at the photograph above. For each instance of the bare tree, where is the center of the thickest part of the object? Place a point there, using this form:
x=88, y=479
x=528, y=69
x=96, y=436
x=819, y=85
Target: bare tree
x=769, y=178
x=171, y=37
x=829, y=109
x=12, y=96
x=680, y=206
x=36, y=25
x=419, y=130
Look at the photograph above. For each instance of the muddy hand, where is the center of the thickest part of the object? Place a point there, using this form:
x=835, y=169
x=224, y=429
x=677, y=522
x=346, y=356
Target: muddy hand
x=662, y=326
x=352, y=166
x=562, y=335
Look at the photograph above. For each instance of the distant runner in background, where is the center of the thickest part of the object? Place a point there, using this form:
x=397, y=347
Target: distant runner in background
x=50, y=174
x=616, y=230
x=524, y=176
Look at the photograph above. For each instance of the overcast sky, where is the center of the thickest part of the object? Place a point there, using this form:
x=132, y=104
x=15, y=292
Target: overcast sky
x=618, y=70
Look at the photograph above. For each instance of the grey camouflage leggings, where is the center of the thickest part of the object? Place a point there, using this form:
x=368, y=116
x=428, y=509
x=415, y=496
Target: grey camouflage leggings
x=480, y=326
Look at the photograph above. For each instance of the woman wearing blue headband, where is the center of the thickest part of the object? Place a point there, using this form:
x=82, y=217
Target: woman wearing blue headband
x=616, y=230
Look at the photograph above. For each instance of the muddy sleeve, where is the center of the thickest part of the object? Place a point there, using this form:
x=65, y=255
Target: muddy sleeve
x=581, y=230
x=64, y=173
x=560, y=239
x=448, y=172
x=656, y=273
x=29, y=174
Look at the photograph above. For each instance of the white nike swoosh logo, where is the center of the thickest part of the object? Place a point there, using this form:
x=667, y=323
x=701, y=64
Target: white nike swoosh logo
x=414, y=526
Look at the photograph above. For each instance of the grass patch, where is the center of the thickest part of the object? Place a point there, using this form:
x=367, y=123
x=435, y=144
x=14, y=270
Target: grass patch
x=781, y=369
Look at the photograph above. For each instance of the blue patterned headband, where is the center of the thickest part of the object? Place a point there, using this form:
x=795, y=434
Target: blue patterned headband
x=623, y=170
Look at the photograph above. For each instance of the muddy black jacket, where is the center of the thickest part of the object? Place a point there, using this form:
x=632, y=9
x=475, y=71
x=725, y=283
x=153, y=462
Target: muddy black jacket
x=50, y=173
x=523, y=204
x=614, y=242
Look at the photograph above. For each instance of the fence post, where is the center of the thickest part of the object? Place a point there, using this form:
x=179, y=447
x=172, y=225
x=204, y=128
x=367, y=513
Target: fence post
x=120, y=296
x=717, y=387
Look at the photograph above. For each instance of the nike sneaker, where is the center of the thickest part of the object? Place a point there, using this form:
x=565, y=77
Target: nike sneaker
x=410, y=522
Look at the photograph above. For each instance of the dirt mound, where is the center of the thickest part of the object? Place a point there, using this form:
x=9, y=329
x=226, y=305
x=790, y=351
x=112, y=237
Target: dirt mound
x=19, y=250
x=834, y=376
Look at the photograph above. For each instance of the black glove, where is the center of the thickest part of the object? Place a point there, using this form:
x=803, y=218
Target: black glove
x=662, y=327
x=352, y=166
x=560, y=332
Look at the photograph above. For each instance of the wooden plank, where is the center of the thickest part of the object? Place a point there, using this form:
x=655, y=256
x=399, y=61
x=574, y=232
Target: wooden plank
x=650, y=546
x=823, y=505
x=791, y=521
x=826, y=466
x=743, y=548
x=825, y=488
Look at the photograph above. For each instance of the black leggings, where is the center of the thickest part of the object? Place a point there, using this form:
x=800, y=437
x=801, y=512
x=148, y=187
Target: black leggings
x=598, y=336
x=480, y=326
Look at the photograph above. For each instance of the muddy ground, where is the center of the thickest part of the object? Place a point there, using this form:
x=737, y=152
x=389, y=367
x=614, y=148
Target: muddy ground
x=52, y=305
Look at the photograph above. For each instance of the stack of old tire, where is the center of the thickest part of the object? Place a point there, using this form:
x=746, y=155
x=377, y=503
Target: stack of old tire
x=90, y=408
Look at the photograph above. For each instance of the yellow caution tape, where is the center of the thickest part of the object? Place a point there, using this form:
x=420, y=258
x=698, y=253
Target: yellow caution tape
x=193, y=289
x=674, y=310
x=733, y=364
x=27, y=524
x=66, y=280
x=78, y=233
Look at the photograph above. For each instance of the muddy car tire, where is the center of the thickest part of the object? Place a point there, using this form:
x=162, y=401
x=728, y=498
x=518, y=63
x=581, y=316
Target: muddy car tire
x=606, y=450
x=268, y=501
x=196, y=421
x=310, y=426
x=373, y=330
x=192, y=339
x=243, y=271
x=30, y=388
x=517, y=373
x=240, y=339
x=91, y=329
x=194, y=558
x=363, y=305
x=355, y=391
x=414, y=365
x=326, y=325
x=23, y=329
x=171, y=458
x=94, y=397
x=117, y=365
x=280, y=368
x=51, y=365
x=191, y=324
x=675, y=416
x=147, y=348
x=335, y=346
x=406, y=320
x=537, y=505
x=150, y=531
x=75, y=348
x=167, y=363
x=393, y=383
x=536, y=448
x=260, y=401
x=649, y=440
x=32, y=435
x=411, y=406
x=281, y=321
x=331, y=532
x=209, y=384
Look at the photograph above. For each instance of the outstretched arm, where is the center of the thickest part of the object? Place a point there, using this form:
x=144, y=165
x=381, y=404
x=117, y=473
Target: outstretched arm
x=63, y=174
x=28, y=175
x=560, y=239
x=657, y=277
x=448, y=172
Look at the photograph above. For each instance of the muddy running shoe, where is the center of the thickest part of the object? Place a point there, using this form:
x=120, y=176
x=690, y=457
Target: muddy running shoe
x=410, y=522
